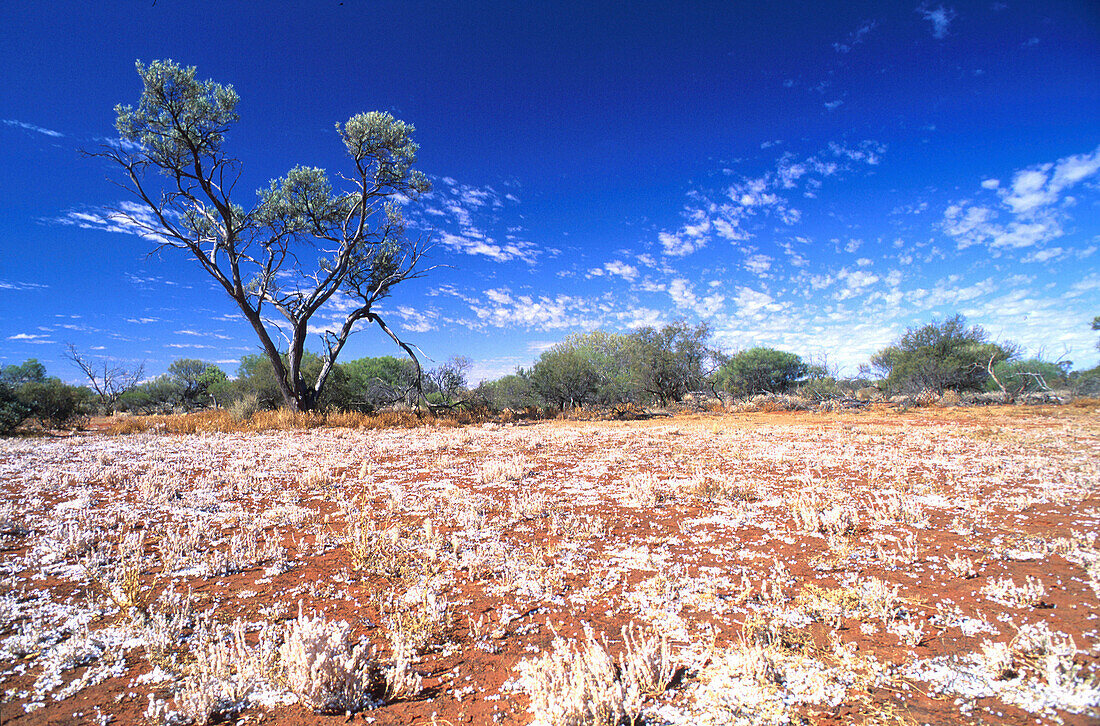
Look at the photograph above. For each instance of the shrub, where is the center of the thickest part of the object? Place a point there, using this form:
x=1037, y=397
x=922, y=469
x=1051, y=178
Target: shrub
x=584, y=686
x=245, y=407
x=1086, y=383
x=939, y=356
x=331, y=675
x=820, y=389
x=513, y=392
x=760, y=370
x=324, y=669
x=1027, y=376
x=12, y=410
x=56, y=404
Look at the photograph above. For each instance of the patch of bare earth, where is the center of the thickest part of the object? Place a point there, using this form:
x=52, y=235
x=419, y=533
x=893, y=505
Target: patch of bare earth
x=937, y=566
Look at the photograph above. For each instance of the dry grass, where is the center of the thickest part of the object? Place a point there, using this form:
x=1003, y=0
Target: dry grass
x=223, y=421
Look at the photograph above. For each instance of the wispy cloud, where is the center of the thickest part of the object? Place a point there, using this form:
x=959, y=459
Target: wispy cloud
x=855, y=37
x=32, y=127
x=467, y=219
x=615, y=268
x=1035, y=201
x=20, y=286
x=731, y=213
x=417, y=321
x=940, y=17
x=127, y=218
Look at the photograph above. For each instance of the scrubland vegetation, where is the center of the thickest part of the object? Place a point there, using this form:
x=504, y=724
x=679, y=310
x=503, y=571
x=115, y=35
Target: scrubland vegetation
x=935, y=565
x=619, y=374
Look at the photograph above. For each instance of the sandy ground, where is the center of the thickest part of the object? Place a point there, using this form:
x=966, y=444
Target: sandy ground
x=933, y=566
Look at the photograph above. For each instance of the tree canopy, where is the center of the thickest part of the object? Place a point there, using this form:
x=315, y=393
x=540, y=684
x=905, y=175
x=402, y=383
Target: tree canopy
x=940, y=356
x=760, y=370
x=259, y=255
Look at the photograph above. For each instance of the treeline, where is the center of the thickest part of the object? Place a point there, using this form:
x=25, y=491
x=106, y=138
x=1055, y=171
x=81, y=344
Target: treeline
x=650, y=366
x=26, y=393
x=364, y=385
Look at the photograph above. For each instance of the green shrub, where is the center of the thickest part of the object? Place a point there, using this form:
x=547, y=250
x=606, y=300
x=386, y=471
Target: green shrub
x=56, y=404
x=1086, y=383
x=940, y=356
x=12, y=410
x=760, y=370
x=824, y=388
x=1027, y=376
x=513, y=392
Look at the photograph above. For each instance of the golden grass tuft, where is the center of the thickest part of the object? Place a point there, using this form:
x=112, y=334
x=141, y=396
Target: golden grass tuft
x=223, y=421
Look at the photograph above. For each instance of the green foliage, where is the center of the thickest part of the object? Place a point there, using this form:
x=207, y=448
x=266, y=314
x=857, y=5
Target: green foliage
x=188, y=384
x=13, y=411
x=566, y=376
x=1086, y=383
x=194, y=379
x=56, y=404
x=1027, y=376
x=28, y=371
x=589, y=368
x=256, y=379
x=760, y=370
x=371, y=383
x=26, y=392
x=449, y=379
x=514, y=392
x=820, y=388
x=178, y=117
x=611, y=368
x=940, y=356
x=672, y=361
x=160, y=395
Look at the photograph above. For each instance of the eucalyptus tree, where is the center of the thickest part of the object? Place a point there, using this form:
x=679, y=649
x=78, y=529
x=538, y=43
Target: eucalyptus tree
x=171, y=149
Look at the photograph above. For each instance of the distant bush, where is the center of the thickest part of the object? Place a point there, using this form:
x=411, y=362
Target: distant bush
x=513, y=392
x=56, y=404
x=13, y=411
x=760, y=370
x=1086, y=383
x=821, y=388
x=1027, y=376
x=26, y=392
x=940, y=356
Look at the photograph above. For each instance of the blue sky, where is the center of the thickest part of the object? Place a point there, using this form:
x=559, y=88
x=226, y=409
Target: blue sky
x=811, y=181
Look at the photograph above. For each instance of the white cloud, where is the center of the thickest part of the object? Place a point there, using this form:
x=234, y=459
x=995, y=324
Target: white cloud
x=730, y=213
x=1035, y=202
x=940, y=17
x=32, y=127
x=855, y=37
x=750, y=303
x=684, y=297
x=460, y=217
x=675, y=245
x=758, y=264
x=20, y=286
x=500, y=308
x=417, y=321
x=127, y=218
x=27, y=336
x=621, y=269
